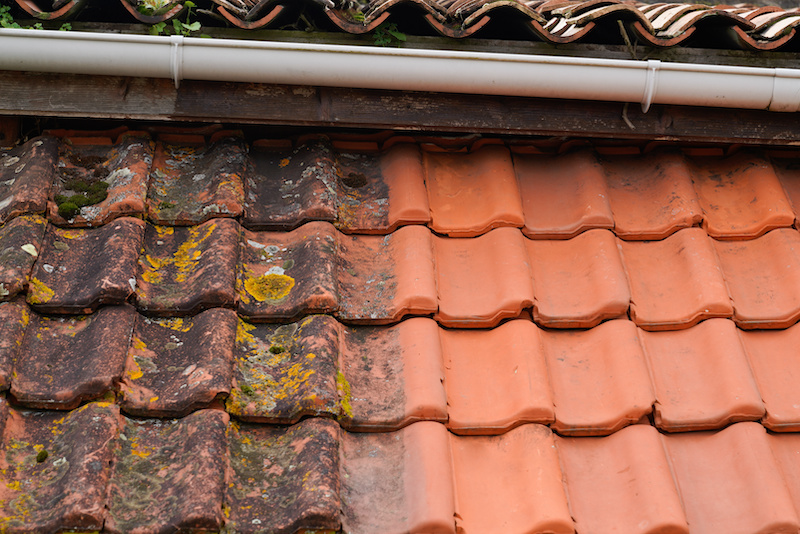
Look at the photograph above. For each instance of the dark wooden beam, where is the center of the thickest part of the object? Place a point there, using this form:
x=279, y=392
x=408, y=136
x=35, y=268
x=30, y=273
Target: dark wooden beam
x=61, y=95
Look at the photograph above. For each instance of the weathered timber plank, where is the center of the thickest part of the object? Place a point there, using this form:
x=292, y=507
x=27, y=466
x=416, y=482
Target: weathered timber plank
x=62, y=95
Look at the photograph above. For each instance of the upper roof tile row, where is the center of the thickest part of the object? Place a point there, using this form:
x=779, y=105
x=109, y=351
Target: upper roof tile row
x=92, y=469
x=473, y=282
x=182, y=180
x=590, y=382
x=553, y=21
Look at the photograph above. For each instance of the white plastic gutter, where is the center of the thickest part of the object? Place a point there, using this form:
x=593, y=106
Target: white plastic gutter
x=186, y=58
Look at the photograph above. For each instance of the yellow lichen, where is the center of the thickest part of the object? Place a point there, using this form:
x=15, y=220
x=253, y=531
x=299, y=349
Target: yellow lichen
x=39, y=293
x=138, y=344
x=135, y=372
x=153, y=399
x=345, y=397
x=269, y=287
x=164, y=231
x=187, y=256
x=70, y=234
x=284, y=162
x=243, y=335
x=177, y=324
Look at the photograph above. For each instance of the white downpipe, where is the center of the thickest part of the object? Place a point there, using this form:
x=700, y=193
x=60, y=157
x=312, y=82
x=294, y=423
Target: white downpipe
x=179, y=58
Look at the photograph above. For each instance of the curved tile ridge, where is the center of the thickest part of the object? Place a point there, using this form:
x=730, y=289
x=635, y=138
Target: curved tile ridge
x=622, y=483
x=26, y=176
x=675, y=283
x=701, y=377
x=763, y=278
x=20, y=244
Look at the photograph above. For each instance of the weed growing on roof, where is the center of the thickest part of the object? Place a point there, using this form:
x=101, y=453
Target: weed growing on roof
x=7, y=21
x=185, y=28
x=387, y=34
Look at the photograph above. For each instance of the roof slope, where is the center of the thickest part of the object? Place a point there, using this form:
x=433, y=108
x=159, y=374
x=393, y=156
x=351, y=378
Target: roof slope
x=422, y=335
x=554, y=21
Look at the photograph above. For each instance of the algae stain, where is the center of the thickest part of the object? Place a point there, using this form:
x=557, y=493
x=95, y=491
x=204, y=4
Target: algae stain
x=345, y=397
x=39, y=292
x=269, y=287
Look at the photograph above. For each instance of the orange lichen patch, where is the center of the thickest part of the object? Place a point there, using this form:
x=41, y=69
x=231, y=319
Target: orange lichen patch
x=38, y=292
x=269, y=287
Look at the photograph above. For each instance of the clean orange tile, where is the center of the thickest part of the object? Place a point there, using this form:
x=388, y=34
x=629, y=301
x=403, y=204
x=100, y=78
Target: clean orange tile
x=701, y=377
x=675, y=282
x=776, y=368
x=393, y=376
x=496, y=379
x=621, y=483
x=599, y=378
x=398, y=482
x=562, y=195
x=741, y=196
x=403, y=172
x=471, y=194
x=651, y=196
x=763, y=277
x=382, y=278
x=482, y=280
x=578, y=282
x=730, y=482
x=786, y=448
x=509, y=483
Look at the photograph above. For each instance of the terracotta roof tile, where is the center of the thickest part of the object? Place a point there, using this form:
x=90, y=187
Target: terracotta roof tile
x=701, y=377
x=578, y=282
x=26, y=175
x=483, y=279
x=66, y=360
x=471, y=194
x=56, y=468
x=622, y=482
x=78, y=270
x=730, y=481
x=675, y=282
x=14, y=318
x=186, y=269
x=177, y=365
x=599, y=378
x=169, y=475
x=577, y=180
x=762, y=277
x=741, y=196
x=20, y=244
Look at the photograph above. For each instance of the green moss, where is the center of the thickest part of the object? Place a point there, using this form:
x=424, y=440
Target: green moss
x=87, y=194
x=68, y=210
x=42, y=456
x=277, y=349
x=166, y=205
x=247, y=390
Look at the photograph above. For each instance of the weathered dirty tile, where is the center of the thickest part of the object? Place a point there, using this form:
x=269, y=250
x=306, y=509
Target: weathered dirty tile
x=283, y=480
x=562, y=196
x=773, y=358
x=701, y=377
x=56, y=468
x=651, y=196
x=398, y=482
x=482, y=280
x=291, y=187
x=96, y=183
x=741, y=196
x=471, y=194
x=283, y=275
x=621, y=483
x=496, y=379
x=169, y=475
x=787, y=169
x=14, y=319
x=177, y=365
x=80, y=269
x=729, y=481
x=763, y=278
x=380, y=192
x=578, y=282
x=285, y=372
x=20, y=244
x=66, y=360
x=599, y=378
x=676, y=282
x=190, y=184
x=26, y=176
x=187, y=269
x=390, y=377
x=509, y=483
x=382, y=278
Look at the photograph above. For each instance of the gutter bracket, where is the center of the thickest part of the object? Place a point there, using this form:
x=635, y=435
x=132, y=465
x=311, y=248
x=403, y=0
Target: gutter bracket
x=650, y=84
x=176, y=59
x=785, y=91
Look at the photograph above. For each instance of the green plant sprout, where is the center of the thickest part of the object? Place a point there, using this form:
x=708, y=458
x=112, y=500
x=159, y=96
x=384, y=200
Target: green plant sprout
x=387, y=34
x=185, y=28
x=7, y=21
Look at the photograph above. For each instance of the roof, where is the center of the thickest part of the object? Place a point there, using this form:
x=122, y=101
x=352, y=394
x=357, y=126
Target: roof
x=396, y=334
x=739, y=26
